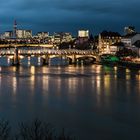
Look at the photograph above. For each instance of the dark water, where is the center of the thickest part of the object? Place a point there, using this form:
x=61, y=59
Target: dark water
x=93, y=102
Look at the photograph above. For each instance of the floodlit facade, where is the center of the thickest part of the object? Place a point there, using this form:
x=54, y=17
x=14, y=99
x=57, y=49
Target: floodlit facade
x=42, y=35
x=28, y=34
x=106, y=39
x=83, y=33
x=23, y=33
x=62, y=37
x=8, y=34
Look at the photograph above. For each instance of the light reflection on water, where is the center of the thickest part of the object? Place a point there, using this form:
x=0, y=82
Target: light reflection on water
x=14, y=85
x=45, y=80
x=93, y=101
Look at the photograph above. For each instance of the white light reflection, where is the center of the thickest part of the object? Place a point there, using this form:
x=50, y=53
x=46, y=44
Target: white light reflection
x=71, y=70
x=115, y=72
x=58, y=85
x=97, y=68
x=128, y=77
x=32, y=79
x=128, y=74
x=72, y=85
x=98, y=84
x=98, y=87
x=45, y=80
x=72, y=94
x=39, y=60
x=107, y=84
x=8, y=61
x=14, y=85
x=98, y=79
x=29, y=60
x=14, y=69
x=82, y=68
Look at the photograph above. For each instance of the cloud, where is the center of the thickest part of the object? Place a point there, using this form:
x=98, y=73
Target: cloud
x=69, y=14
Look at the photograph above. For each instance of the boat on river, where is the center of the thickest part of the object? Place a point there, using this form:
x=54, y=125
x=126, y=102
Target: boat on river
x=109, y=59
x=130, y=62
x=124, y=61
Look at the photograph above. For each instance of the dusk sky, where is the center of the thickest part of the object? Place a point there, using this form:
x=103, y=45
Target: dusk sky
x=69, y=15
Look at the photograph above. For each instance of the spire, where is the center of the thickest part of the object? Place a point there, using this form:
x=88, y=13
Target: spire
x=14, y=29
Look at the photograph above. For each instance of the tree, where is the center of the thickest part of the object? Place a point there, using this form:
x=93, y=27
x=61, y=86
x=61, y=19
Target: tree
x=4, y=130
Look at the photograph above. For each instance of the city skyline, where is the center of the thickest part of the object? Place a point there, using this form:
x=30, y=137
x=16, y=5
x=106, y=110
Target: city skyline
x=69, y=16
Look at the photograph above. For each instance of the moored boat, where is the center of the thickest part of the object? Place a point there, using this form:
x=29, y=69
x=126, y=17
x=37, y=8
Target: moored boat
x=130, y=62
x=109, y=59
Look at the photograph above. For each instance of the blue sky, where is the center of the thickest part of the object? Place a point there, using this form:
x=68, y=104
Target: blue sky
x=69, y=15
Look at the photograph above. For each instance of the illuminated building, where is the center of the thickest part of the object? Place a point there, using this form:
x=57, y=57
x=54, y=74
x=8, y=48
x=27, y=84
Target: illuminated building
x=23, y=33
x=106, y=39
x=83, y=33
x=62, y=37
x=42, y=35
x=8, y=34
x=116, y=47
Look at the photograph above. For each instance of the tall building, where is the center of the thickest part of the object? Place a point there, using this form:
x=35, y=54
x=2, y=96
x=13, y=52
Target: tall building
x=23, y=33
x=83, y=33
x=15, y=29
x=20, y=33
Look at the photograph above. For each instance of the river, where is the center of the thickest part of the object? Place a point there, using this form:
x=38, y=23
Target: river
x=90, y=102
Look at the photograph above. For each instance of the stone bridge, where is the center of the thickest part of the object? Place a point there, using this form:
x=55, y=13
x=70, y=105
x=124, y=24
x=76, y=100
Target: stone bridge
x=18, y=53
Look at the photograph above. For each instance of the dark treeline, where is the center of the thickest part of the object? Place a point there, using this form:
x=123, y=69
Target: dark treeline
x=35, y=130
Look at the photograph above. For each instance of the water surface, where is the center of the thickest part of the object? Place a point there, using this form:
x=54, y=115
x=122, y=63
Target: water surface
x=91, y=102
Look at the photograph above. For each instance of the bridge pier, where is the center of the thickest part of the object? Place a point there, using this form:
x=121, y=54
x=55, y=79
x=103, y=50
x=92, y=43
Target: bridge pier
x=73, y=59
x=98, y=59
x=16, y=57
x=47, y=58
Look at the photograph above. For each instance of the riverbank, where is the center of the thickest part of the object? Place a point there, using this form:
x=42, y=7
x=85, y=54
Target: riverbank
x=120, y=61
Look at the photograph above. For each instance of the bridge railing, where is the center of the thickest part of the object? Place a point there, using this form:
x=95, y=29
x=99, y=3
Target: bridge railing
x=41, y=51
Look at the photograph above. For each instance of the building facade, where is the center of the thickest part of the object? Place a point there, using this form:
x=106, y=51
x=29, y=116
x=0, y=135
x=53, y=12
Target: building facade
x=42, y=35
x=130, y=39
x=106, y=39
x=8, y=34
x=83, y=33
x=23, y=33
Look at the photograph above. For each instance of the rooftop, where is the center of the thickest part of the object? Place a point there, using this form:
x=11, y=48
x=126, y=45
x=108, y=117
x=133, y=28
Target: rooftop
x=130, y=35
x=110, y=34
x=118, y=44
x=137, y=44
